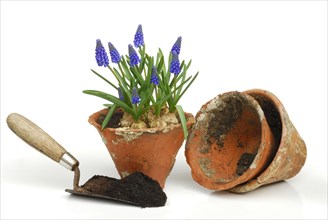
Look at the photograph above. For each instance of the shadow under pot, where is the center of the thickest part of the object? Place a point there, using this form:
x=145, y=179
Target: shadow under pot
x=234, y=142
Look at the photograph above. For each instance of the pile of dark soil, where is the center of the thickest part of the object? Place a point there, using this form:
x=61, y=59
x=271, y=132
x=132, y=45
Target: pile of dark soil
x=137, y=188
x=114, y=121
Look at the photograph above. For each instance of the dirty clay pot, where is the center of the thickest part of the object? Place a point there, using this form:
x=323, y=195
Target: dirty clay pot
x=151, y=151
x=291, y=151
x=209, y=163
x=230, y=143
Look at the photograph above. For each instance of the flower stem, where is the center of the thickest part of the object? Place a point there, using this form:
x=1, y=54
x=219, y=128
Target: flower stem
x=175, y=85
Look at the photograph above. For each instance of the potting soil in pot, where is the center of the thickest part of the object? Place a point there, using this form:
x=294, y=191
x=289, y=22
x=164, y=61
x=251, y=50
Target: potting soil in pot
x=137, y=188
x=114, y=121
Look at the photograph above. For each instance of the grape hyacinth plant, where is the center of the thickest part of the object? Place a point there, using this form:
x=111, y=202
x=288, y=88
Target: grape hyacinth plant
x=101, y=55
x=115, y=56
x=144, y=83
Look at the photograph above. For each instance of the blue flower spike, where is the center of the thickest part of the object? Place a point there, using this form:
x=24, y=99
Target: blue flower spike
x=177, y=46
x=120, y=94
x=138, y=37
x=114, y=54
x=101, y=55
x=135, y=96
x=154, y=76
x=175, y=64
x=134, y=59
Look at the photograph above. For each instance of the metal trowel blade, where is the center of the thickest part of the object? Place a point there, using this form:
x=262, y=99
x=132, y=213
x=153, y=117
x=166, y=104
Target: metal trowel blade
x=98, y=187
x=89, y=194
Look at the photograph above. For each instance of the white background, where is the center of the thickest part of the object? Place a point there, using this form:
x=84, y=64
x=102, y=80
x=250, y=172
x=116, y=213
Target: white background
x=47, y=50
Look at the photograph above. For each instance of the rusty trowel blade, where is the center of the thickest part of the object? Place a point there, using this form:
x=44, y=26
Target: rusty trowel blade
x=100, y=187
x=135, y=189
x=89, y=194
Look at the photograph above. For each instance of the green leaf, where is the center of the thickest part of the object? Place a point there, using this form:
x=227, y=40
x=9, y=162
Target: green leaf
x=163, y=63
x=126, y=68
x=122, y=83
x=158, y=57
x=184, y=69
x=142, y=51
x=108, y=116
x=144, y=99
x=177, y=99
x=104, y=79
x=141, y=66
x=183, y=121
x=137, y=75
x=179, y=87
x=188, y=65
x=124, y=74
x=120, y=78
x=160, y=103
x=146, y=83
x=183, y=81
x=108, y=105
x=112, y=99
x=168, y=74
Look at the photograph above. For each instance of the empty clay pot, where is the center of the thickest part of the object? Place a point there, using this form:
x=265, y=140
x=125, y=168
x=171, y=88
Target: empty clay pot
x=290, y=153
x=151, y=151
x=230, y=143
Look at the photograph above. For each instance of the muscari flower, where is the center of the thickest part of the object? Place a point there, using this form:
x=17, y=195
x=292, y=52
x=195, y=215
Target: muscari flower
x=101, y=55
x=154, y=77
x=120, y=94
x=134, y=59
x=177, y=46
x=138, y=37
x=135, y=96
x=115, y=56
x=175, y=64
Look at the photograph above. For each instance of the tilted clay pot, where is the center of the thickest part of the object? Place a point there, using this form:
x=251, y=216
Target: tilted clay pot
x=151, y=151
x=291, y=151
x=230, y=143
x=219, y=138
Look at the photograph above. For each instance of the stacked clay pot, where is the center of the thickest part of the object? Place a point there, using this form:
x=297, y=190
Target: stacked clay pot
x=243, y=140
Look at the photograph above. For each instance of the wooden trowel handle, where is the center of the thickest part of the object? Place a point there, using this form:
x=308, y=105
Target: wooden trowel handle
x=40, y=140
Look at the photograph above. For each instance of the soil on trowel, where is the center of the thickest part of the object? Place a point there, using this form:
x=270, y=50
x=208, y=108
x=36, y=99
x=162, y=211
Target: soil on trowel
x=114, y=121
x=225, y=116
x=244, y=163
x=137, y=188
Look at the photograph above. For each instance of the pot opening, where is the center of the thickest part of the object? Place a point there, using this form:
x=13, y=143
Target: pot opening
x=273, y=118
x=234, y=132
x=121, y=119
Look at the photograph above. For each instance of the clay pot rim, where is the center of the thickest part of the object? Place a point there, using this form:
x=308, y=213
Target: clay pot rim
x=268, y=96
x=265, y=177
x=92, y=120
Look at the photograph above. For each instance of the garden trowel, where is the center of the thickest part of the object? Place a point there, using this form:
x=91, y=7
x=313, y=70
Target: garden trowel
x=41, y=141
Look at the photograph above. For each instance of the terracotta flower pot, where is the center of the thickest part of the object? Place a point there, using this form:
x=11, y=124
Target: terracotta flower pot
x=151, y=151
x=220, y=137
x=231, y=142
x=291, y=151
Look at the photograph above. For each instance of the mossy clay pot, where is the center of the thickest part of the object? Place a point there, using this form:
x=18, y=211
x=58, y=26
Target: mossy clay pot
x=151, y=151
x=243, y=140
